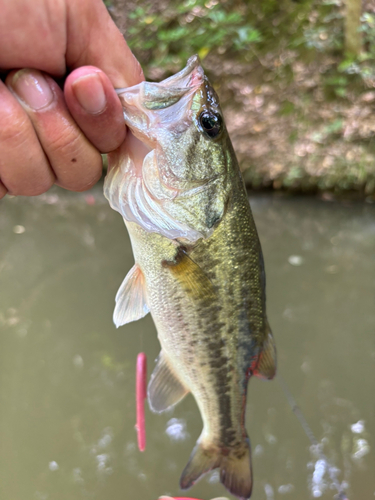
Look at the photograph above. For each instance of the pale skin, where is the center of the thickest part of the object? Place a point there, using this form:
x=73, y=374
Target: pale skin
x=49, y=135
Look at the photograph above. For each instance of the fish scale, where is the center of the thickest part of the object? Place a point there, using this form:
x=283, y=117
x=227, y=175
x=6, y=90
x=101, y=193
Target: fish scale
x=201, y=275
x=236, y=326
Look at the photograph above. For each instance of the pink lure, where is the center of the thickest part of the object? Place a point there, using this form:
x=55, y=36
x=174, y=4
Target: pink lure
x=178, y=498
x=141, y=394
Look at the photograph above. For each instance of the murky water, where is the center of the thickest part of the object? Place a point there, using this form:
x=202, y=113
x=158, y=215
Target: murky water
x=67, y=409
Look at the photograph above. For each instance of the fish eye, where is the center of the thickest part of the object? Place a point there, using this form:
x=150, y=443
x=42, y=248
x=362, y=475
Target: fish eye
x=211, y=123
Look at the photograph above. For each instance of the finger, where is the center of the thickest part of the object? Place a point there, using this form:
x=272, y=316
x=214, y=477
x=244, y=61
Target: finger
x=93, y=39
x=75, y=161
x=65, y=32
x=38, y=43
x=24, y=168
x=96, y=107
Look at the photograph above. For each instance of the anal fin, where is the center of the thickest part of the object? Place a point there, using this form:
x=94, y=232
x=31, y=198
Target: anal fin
x=164, y=389
x=130, y=299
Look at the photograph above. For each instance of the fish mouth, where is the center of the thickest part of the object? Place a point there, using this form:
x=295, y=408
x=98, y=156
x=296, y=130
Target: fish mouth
x=191, y=76
x=153, y=110
x=150, y=186
x=150, y=107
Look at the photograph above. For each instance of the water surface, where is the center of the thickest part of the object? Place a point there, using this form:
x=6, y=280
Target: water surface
x=67, y=381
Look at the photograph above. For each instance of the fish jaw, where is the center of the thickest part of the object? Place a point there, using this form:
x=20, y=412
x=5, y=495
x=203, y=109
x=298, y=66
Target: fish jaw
x=153, y=111
x=169, y=176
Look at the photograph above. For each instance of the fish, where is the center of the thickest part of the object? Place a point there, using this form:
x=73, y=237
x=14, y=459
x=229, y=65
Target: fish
x=198, y=268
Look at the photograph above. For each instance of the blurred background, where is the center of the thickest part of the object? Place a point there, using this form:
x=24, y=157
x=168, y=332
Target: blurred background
x=296, y=79
x=67, y=375
x=297, y=83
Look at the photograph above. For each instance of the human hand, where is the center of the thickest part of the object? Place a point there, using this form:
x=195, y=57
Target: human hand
x=48, y=135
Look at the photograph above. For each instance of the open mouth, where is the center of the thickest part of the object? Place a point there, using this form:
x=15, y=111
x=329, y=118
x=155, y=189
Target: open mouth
x=148, y=175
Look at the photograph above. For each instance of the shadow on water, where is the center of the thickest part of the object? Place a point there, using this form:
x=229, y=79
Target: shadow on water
x=67, y=375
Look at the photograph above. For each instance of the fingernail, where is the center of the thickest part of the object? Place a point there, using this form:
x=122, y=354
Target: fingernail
x=32, y=88
x=89, y=92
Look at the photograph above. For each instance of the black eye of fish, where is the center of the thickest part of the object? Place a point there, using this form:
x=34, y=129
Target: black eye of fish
x=211, y=123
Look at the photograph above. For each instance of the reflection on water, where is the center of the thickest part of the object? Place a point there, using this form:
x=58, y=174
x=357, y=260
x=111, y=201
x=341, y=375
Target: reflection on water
x=176, y=429
x=67, y=375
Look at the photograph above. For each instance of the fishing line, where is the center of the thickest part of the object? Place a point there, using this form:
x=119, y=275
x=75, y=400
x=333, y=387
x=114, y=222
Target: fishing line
x=141, y=337
x=341, y=495
x=141, y=341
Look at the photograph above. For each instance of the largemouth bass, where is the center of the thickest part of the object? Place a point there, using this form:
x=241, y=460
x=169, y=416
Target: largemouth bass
x=198, y=264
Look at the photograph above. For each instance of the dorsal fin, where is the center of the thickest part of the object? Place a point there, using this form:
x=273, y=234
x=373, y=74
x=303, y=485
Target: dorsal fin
x=130, y=299
x=164, y=389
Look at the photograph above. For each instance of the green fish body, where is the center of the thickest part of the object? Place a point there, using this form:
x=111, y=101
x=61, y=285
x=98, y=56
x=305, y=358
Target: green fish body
x=198, y=265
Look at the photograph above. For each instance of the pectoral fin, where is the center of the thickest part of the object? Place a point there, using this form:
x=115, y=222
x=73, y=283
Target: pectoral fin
x=266, y=366
x=164, y=389
x=191, y=276
x=130, y=299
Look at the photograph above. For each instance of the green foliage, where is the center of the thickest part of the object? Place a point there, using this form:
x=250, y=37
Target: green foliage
x=295, y=50
x=329, y=130
x=164, y=34
x=287, y=108
x=368, y=30
x=294, y=174
x=167, y=39
x=337, y=84
x=322, y=28
x=364, y=64
x=326, y=35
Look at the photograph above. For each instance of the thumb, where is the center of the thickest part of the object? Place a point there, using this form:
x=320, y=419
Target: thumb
x=94, y=39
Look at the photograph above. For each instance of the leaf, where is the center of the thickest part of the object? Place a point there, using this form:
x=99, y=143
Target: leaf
x=203, y=52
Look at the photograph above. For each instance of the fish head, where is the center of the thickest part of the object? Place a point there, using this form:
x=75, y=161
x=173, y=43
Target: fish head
x=171, y=175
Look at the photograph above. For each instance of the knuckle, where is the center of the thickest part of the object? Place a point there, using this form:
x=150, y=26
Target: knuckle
x=33, y=186
x=66, y=143
x=14, y=130
x=24, y=168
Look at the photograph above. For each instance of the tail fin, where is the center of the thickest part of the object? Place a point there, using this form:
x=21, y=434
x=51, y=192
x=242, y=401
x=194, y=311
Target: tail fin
x=236, y=473
x=235, y=468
